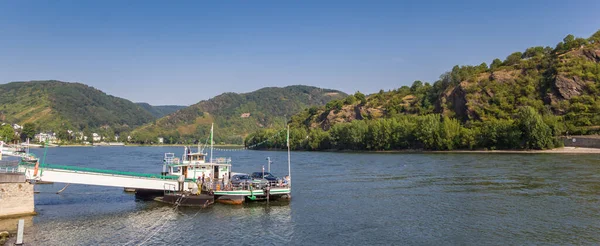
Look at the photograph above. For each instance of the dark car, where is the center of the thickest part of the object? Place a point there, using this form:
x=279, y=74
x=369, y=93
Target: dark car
x=240, y=179
x=268, y=176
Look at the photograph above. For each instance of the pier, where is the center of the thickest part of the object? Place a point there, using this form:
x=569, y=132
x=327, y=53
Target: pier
x=16, y=194
x=102, y=177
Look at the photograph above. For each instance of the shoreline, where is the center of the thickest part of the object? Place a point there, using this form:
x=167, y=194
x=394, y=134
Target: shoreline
x=143, y=145
x=561, y=150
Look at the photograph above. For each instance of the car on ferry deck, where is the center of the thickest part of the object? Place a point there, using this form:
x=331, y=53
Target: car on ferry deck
x=267, y=175
x=240, y=179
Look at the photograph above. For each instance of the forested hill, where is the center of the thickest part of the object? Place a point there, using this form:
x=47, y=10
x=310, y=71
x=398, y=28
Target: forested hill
x=524, y=101
x=235, y=115
x=161, y=110
x=60, y=106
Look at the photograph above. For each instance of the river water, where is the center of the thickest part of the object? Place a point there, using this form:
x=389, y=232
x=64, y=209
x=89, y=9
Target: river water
x=339, y=199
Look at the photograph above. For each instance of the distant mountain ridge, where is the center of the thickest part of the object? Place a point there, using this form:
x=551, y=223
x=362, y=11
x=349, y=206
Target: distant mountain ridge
x=160, y=110
x=235, y=114
x=60, y=106
x=56, y=105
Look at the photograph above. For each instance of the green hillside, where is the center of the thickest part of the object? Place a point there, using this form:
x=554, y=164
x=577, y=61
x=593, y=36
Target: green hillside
x=522, y=102
x=161, y=110
x=55, y=105
x=235, y=115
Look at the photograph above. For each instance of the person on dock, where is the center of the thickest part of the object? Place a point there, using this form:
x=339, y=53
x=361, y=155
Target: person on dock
x=208, y=183
x=202, y=182
x=180, y=180
x=286, y=180
x=198, y=186
x=225, y=182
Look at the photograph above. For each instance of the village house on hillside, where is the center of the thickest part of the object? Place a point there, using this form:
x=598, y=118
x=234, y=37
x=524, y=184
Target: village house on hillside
x=46, y=137
x=245, y=115
x=96, y=137
x=79, y=136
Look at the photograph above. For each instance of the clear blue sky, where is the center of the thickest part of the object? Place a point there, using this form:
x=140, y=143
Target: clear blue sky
x=181, y=52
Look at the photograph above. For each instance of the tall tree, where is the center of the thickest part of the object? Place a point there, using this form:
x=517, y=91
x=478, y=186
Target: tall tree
x=28, y=131
x=513, y=59
x=496, y=63
x=535, y=133
x=7, y=133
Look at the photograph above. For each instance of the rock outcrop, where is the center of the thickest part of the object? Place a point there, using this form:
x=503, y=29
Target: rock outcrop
x=568, y=87
x=458, y=100
x=592, y=55
x=348, y=113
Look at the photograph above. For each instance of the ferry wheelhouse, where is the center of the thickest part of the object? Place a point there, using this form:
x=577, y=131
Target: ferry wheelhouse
x=193, y=166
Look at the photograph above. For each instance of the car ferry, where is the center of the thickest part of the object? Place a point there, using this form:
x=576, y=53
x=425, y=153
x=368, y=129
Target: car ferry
x=203, y=182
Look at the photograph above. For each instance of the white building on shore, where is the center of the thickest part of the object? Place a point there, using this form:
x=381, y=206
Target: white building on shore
x=96, y=137
x=48, y=136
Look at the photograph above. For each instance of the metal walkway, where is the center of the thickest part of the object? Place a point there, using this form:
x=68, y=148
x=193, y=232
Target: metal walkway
x=102, y=177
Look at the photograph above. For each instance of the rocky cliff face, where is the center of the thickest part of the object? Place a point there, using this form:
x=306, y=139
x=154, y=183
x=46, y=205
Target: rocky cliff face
x=457, y=99
x=466, y=100
x=348, y=113
x=568, y=87
x=592, y=54
x=463, y=100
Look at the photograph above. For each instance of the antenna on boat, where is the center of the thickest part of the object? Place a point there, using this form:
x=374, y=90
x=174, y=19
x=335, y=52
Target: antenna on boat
x=289, y=162
x=211, y=141
x=200, y=148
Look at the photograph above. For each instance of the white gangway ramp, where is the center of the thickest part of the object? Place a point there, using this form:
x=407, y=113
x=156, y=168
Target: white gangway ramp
x=90, y=176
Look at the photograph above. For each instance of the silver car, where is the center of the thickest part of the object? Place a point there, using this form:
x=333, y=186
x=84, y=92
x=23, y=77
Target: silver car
x=240, y=179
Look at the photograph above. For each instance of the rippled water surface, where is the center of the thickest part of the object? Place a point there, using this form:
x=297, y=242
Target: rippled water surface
x=339, y=199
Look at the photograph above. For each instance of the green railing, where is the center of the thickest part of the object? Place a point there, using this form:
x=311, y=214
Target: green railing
x=9, y=166
x=103, y=171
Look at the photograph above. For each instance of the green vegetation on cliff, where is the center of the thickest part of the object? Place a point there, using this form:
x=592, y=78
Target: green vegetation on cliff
x=523, y=102
x=235, y=115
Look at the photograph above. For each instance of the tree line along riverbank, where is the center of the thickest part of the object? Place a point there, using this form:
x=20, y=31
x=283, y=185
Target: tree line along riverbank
x=529, y=130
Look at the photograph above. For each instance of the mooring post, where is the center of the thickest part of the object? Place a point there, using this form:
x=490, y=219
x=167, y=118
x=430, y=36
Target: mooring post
x=268, y=191
x=20, y=228
x=269, y=164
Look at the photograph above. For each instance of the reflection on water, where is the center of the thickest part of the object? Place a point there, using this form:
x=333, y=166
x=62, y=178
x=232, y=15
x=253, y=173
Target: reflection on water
x=340, y=198
x=164, y=225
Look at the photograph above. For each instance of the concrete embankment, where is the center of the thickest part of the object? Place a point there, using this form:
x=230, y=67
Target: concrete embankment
x=586, y=141
x=16, y=196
